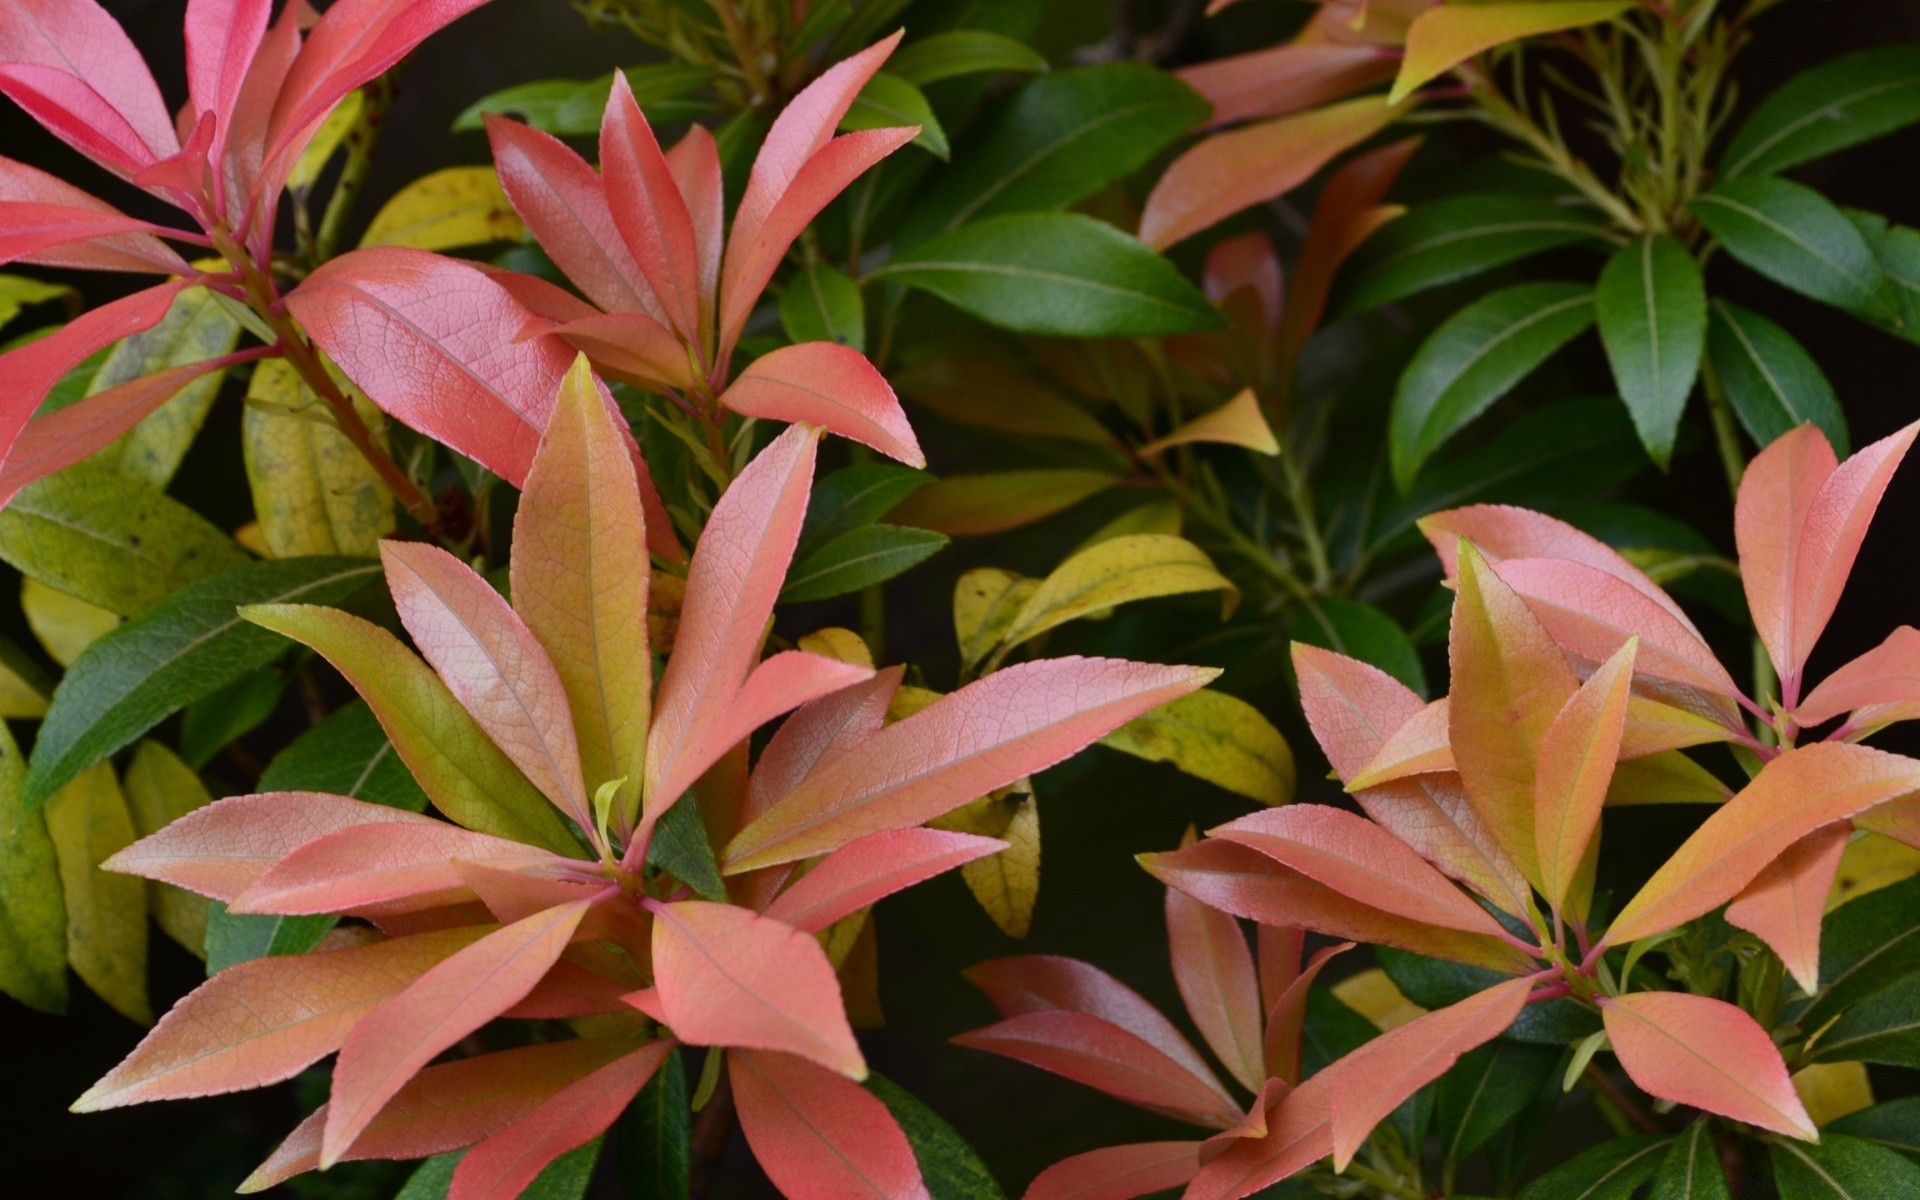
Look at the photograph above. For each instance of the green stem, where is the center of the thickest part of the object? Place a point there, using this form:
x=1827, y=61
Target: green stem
x=361, y=142
x=1726, y=431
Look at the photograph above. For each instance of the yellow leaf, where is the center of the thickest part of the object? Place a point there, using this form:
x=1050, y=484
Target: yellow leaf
x=106, y=913
x=162, y=789
x=1141, y=566
x=1155, y=516
x=1870, y=862
x=664, y=599
x=1374, y=996
x=972, y=504
x=1446, y=36
x=908, y=701
x=312, y=491
x=1832, y=1090
x=860, y=981
x=197, y=327
x=18, y=291
x=985, y=602
x=1216, y=737
x=842, y=645
x=33, y=922
x=838, y=939
x=1006, y=884
x=1666, y=778
x=23, y=685
x=326, y=140
x=1238, y=422
x=65, y=625
x=253, y=540
x=457, y=206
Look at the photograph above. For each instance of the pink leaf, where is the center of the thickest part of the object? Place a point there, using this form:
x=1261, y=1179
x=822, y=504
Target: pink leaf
x=630, y=347
x=831, y=386
x=220, y=849
x=695, y=163
x=379, y=865
x=1118, y=1172
x=816, y=733
x=222, y=37
x=1575, y=768
x=819, y=1137
x=435, y=342
x=493, y=665
x=1421, y=746
x=71, y=66
x=1501, y=532
x=729, y=977
x=266, y=1020
x=1707, y=1053
x=1777, y=492
x=862, y=872
x=1213, y=969
x=1299, y=1134
x=648, y=209
x=1354, y=856
x=1277, y=950
x=780, y=684
x=1784, y=903
x=446, y=1004
x=30, y=229
x=1352, y=707
x=732, y=583
x=1887, y=674
x=1286, y=79
x=1287, y=1018
x=501, y=1167
x=20, y=183
x=1116, y=1061
x=570, y=991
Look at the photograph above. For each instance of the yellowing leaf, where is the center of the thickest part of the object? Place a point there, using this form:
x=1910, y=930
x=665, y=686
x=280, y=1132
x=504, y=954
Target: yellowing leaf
x=972, y=504
x=1138, y=567
x=23, y=685
x=1006, y=884
x=1667, y=778
x=33, y=923
x=106, y=913
x=1830, y=1091
x=326, y=140
x=1155, y=516
x=197, y=327
x=985, y=602
x=1871, y=861
x=1374, y=996
x=1216, y=737
x=161, y=790
x=65, y=625
x=908, y=701
x=839, y=938
x=841, y=645
x=1238, y=422
x=457, y=206
x=1447, y=35
x=18, y=291
x=312, y=491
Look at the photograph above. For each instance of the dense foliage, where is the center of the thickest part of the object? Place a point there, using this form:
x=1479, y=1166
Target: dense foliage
x=601, y=638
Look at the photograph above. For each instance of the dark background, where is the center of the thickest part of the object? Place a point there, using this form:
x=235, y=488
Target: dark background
x=1097, y=812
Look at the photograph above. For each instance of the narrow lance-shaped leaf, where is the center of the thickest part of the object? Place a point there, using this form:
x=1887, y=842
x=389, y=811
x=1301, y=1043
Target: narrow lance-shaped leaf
x=1652, y=306
x=88, y=821
x=1840, y=103
x=1113, y=572
x=862, y=872
x=1799, y=239
x=1772, y=382
x=1575, y=766
x=33, y=934
x=1214, y=972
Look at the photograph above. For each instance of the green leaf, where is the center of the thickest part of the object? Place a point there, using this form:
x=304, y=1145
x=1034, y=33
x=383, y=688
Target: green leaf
x=821, y=304
x=1771, y=380
x=33, y=918
x=1216, y=737
x=1475, y=357
x=1435, y=983
x=962, y=52
x=566, y=1178
x=181, y=650
x=1652, y=306
x=1897, y=249
x=1866, y=945
x=110, y=539
x=1062, y=138
x=1796, y=237
x=1852, y=99
x=1060, y=274
x=1883, y=1028
x=1361, y=631
x=1691, y=1170
x=950, y=1168
x=1486, y=1090
x=855, y=496
x=857, y=559
x=652, y=1142
x=1459, y=237
x=681, y=848
x=1610, y=1171
x=573, y=107
x=1895, y=1125
x=229, y=714
x=972, y=504
x=1842, y=1168
x=195, y=328
x=1331, y=1031
x=887, y=102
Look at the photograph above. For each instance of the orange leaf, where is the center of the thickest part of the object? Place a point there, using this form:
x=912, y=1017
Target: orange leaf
x=1501, y=531
x=1117, y=1172
x=1213, y=969
x=1286, y=79
x=1287, y=1018
x=397, y=867
x=1421, y=746
x=1576, y=765
x=1887, y=674
x=1783, y=905
x=1444, y=37
x=818, y=1136
x=1707, y=1053
x=1238, y=422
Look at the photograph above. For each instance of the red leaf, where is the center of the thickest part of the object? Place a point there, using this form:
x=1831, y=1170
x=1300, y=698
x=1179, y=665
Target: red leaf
x=819, y=1137
x=1116, y=1061
x=695, y=163
x=729, y=977
x=1213, y=969
x=648, y=209
x=1287, y=1018
x=1118, y=1172
x=71, y=66
x=30, y=229
x=1246, y=261
x=1278, y=949
x=20, y=183
x=501, y=1167
x=219, y=850
x=831, y=386
x=446, y=1004
x=1784, y=903
x=630, y=347
x=435, y=342
x=1707, y=1053
x=1777, y=492
x=988, y=734
x=1887, y=674
x=222, y=37
x=876, y=866
x=392, y=867
x=265, y=1020
x=1287, y=78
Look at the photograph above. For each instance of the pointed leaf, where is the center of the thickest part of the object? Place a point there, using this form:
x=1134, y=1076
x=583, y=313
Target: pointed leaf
x=818, y=1136
x=75, y=70
x=1444, y=37
x=1238, y=422
x=1784, y=904
x=1841, y=1168
x=649, y=211
x=993, y=503
x=1887, y=674
x=1652, y=306
x=1114, y=572
x=1118, y=1172
x=821, y=304
x=833, y=387
x=1457, y=237
x=1105, y=1056
x=397, y=866
x=1796, y=237
x=33, y=928
x=862, y=872
x=1573, y=772
x=1286, y=78
x=1771, y=380
x=1705, y=1052
x=88, y=821
x=1214, y=972
x=1500, y=532
x=444, y=210
x=1840, y=103
x=313, y=491
x=1216, y=737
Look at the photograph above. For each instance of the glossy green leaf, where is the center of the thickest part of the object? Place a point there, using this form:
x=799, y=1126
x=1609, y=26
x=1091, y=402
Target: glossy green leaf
x=1359, y=630
x=566, y=1178
x=651, y=1140
x=1772, y=382
x=1798, y=238
x=196, y=328
x=857, y=559
x=1852, y=99
x=855, y=496
x=1651, y=303
x=1867, y=945
x=1841, y=1168
x=888, y=101
x=1475, y=357
x=995, y=395
x=1060, y=274
x=962, y=52
x=1062, y=138
x=680, y=847
x=821, y=304
x=1436, y=983
x=573, y=107
x=949, y=1167
x=181, y=650
x=1486, y=1090
x=1458, y=237
x=1691, y=1170
x=1610, y=1171
x=229, y=714
x=33, y=919
x=1897, y=249
x=1895, y=1125
x=1882, y=1028
x=109, y=539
